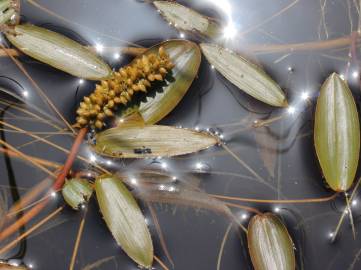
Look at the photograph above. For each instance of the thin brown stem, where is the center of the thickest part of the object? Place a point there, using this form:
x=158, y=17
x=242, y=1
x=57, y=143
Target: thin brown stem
x=158, y=260
x=32, y=229
x=29, y=197
x=33, y=159
x=335, y=233
x=56, y=186
x=160, y=233
x=25, y=157
x=249, y=209
x=219, y=260
x=269, y=19
x=52, y=144
x=39, y=90
x=77, y=241
x=250, y=200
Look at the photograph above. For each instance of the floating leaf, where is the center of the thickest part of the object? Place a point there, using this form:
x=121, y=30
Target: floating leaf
x=186, y=19
x=186, y=57
x=58, y=51
x=245, y=75
x=337, y=133
x=124, y=219
x=77, y=192
x=151, y=141
x=270, y=246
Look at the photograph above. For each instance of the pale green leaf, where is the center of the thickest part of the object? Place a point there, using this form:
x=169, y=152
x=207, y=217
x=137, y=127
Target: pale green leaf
x=245, y=75
x=337, y=133
x=124, y=219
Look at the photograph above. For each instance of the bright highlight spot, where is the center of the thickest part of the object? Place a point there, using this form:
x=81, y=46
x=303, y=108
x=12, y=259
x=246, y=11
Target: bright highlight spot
x=291, y=110
x=99, y=48
x=199, y=165
x=182, y=35
x=355, y=74
x=25, y=93
x=305, y=95
x=93, y=158
x=229, y=31
x=277, y=209
x=81, y=81
x=164, y=165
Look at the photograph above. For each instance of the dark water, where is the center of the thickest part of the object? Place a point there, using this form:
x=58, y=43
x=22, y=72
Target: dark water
x=282, y=154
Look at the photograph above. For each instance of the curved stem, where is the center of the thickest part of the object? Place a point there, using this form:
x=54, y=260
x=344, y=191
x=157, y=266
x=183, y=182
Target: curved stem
x=239, y=199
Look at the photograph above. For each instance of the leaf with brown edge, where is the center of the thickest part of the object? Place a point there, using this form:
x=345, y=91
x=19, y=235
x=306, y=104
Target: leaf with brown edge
x=186, y=57
x=247, y=76
x=270, y=246
x=58, y=51
x=186, y=19
x=151, y=141
x=124, y=219
x=337, y=133
x=5, y=266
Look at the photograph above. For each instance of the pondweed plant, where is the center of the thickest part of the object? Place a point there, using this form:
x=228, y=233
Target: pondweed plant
x=121, y=115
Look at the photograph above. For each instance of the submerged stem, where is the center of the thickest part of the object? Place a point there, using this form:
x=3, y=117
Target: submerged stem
x=222, y=246
x=77, y=241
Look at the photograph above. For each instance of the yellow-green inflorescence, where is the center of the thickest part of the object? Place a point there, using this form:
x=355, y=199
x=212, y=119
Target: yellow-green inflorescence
x=118, y=90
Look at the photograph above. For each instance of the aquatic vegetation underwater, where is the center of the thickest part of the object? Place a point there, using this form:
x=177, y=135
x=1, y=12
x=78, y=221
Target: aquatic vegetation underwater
x=179, y=135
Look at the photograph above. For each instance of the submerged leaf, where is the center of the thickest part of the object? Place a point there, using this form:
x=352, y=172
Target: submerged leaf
x=58, y=51
x=77, y=192
x=267, y=147
x=124, y=219
x=270, y=246
x=337, y=133
x=186, y=57
x=151, y=141
x=245, y=75
x=186, y=19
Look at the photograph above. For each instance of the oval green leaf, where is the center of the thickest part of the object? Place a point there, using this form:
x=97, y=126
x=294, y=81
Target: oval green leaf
x=337, y=133
x=124, y=219
x=245, y=75
x=59, y=52
x=151, y=141
x=270, y=246
x=187, y=19
x=77, y=192
x=186, y=57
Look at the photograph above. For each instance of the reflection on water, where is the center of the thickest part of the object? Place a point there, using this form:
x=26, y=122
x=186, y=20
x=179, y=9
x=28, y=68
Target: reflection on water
x=279, y=157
